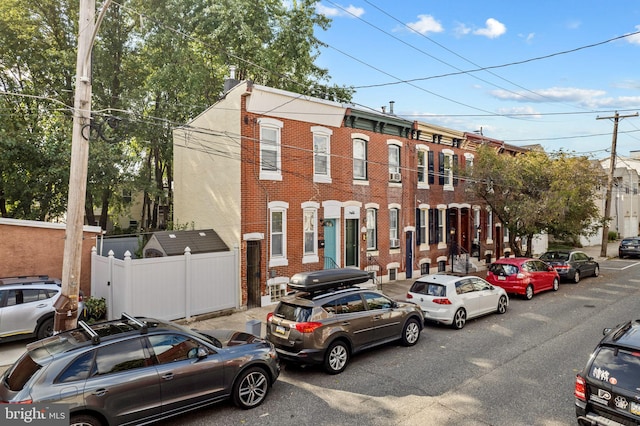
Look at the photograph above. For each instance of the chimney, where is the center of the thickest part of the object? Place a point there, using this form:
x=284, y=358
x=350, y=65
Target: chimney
x=230, y=82
x=391, y=106
x=384, y=109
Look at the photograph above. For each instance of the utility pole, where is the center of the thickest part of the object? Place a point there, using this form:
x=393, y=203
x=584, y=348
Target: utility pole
x=612, y=165
x=67, y=305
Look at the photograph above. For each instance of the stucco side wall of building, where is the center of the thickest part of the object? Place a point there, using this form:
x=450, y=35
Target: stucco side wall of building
x=37, y=248
x=207, y=178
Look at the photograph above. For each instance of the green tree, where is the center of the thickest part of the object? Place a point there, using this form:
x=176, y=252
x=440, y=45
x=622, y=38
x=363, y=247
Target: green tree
x=536, y=193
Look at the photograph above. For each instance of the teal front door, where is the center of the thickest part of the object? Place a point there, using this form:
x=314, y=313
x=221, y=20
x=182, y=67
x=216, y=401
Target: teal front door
x=330, y=249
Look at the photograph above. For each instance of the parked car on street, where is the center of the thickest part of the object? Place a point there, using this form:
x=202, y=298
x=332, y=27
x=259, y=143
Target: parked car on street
x=452, y=300
x=27, y=306
x=139, y=370
x=523, y=275
x=606, y=390
x=572, y=264
x=629, y=247
x=329, y=319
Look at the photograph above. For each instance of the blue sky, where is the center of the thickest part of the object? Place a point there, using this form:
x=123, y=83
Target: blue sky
x=526, y=72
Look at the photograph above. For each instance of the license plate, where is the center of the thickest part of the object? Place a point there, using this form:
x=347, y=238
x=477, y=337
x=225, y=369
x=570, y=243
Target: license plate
x=634, y=408
x=280, y=329
x=501, y=278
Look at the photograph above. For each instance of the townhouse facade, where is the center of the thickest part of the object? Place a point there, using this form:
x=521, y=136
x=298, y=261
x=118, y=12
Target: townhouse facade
x=300, y=183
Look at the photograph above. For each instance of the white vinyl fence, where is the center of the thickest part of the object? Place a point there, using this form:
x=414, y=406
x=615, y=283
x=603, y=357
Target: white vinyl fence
x=167, y=288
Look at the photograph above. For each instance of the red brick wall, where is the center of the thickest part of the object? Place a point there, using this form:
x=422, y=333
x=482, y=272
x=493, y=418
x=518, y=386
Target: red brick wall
x=34, y=250
x=297, y=187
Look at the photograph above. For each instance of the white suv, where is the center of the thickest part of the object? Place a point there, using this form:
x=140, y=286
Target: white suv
x=27, y=306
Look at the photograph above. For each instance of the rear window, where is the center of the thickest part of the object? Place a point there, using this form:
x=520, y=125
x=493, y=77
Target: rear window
x=429, y=289
x=617, y=367
x=21, y=373
x=503, y=269
x=293, y=312
x=630, y=242
x=555, y=256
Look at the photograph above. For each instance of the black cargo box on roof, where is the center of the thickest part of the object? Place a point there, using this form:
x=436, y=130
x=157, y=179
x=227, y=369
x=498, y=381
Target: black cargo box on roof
x=326, y=279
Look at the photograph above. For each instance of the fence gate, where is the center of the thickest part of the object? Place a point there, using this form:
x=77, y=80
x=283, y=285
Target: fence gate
x=253, y=274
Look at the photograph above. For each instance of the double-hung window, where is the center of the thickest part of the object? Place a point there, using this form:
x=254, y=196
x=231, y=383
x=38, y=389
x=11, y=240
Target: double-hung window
x=270, y=149
x=394, y=239
x=394, y=163
x=360, y=159
x=321, y=154
x=310, y=232
x=372, y=225
x=278, y=233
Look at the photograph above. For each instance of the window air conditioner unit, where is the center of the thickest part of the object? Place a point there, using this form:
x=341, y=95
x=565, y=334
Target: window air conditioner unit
x=395, y=177
x=394, y=242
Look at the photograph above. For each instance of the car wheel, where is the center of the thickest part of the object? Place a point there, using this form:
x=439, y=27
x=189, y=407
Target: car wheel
x=502, y=305
x=45, y=329
x=251, y=388
x=576, y=277
x=459, y=319
x=556, y=284
x=410, y=332
x=84, y=420
x=528, y=294
x=596, y=271
x=336, y=358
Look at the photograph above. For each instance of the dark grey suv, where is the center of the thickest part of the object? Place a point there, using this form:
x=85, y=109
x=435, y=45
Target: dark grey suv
x=607, y=390
x=139, y=370
x=332, y=319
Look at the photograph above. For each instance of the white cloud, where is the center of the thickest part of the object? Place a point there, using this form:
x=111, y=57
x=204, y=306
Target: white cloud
x=634, y=39
x=426, y=24
x=528, y=38
x=553, y=94
x=521, y=110
x=332, y=12
x=493, y=29
x=461, y=29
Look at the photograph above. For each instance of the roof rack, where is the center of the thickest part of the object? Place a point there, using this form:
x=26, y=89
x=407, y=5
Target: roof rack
x=140, y=324
x=95, y=338
x=328, y=279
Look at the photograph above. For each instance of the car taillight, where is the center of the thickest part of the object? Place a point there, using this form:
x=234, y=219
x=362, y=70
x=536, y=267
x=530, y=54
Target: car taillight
x=409, y=296
x=444, y=301
x=307, y=327
x=269, y=316
x=581, y=388
x=561, y=266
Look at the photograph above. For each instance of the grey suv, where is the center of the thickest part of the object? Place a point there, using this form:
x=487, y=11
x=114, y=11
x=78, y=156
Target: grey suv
x=27, y=306
x=139, y=370
x=331, y=319
x=607, y=390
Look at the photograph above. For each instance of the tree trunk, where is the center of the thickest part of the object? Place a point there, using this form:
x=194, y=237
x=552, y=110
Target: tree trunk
x=104, y=214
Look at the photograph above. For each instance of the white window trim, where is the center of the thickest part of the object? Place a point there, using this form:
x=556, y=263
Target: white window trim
x=424, y=149
x=448, y=158
x=278, y=206
x=365, y=138
x=310, y=206
x=424, y=213
x=323, y=132
x=442, y=222
x=270, y=123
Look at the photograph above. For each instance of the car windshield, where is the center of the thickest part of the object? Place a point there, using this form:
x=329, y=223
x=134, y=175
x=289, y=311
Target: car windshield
x=617, y=366
x=429, y=289
x=555, y=256
x=292, y=312
x=503, y=269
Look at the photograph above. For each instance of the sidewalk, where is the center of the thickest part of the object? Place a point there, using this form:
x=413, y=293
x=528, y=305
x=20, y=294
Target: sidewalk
x=252, y=320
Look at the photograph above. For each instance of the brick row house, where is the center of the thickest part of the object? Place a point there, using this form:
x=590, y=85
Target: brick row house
x=297, y=183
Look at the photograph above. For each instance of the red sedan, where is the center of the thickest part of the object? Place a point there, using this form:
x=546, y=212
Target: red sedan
x=523, y=275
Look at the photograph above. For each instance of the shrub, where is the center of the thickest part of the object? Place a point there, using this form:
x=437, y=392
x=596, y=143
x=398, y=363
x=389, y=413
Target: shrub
x=613, y=235
x=96, y=309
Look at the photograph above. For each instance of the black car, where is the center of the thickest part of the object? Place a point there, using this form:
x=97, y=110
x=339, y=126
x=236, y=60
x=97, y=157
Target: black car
x=629, y=247
x=607, y=390
x=572, y=264
x=139, y=370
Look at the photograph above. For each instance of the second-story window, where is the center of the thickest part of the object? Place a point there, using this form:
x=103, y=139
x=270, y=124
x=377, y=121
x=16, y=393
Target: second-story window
x=359, y=159
x=321, y=154
x=394, y=163
x=270, y=149
x=422, y=166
